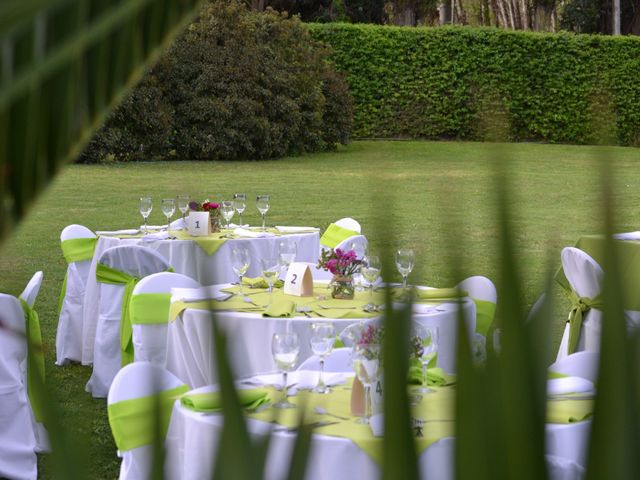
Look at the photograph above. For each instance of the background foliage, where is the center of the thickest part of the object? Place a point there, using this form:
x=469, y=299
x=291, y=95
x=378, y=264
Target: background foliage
x=442, y=83
x=236, y=85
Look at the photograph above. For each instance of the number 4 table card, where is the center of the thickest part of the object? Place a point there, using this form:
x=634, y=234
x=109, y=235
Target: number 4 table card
x=299, y=281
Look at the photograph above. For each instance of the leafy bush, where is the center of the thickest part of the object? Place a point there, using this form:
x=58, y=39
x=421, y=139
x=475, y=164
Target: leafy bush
x=449, y=82
x=236, y=85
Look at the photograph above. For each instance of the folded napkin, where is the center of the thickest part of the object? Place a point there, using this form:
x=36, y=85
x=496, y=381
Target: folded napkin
x=235, y=225
x=211, y=402
x=151, y=237
x=178, y=224
x=303, y=380
x=284, y=229
x=259, y=282
x=243, y=232
x=212, y=292
x=440, y=294
x=126, y=231
x=627, y=236
x=153, y=228
x=376, y=423
x=280, y=308
x=567, y=385
x=436, y=377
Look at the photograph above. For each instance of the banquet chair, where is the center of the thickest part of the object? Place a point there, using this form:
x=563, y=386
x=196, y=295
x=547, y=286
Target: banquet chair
x=30, y=292
x=17, y=437
x=349, y=223
x=118, y=270
x=339, y=360
x=358, y=243
x=579, y=364
x=318, y=274
x=559, y=468
x=483, y=293
x=149, y=306
x=141, y=394
x=438, y=461
x=78, y=244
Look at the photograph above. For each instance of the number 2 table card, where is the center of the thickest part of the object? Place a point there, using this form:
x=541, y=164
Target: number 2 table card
x=299, y=281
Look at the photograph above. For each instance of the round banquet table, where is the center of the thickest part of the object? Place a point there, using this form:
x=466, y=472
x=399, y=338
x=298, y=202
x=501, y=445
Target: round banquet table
x=191, y=358
x=186, y=257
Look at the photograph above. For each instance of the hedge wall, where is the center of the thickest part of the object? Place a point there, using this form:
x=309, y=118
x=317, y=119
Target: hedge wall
x=484, y=83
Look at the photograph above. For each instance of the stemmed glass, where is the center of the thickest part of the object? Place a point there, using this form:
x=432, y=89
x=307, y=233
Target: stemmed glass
x=168, y=208
x=286, y=254
x=228, y=210
x=146, y=205
x=183, y=206
x=240, y=203
x=405, y=260
x=270, y=267
x=262, y=204
x=371, y=271
x=285, y=348
x=323, y=336
x=366, y=364
x=430, y=338
x=240, y=261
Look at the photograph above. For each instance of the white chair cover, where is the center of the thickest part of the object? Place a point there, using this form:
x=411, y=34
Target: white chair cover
x=480, y=288
x=579, y=364
x=563, y=469
x=349, y=223
x=30, y=292
x=585, y=278
x=17, y=439
x=136, y=380
x=318, y=274
x=339, y=360
x=438, y=461
x=360, y=243
x=150, y=341
x=69, y=333
x=136, y=261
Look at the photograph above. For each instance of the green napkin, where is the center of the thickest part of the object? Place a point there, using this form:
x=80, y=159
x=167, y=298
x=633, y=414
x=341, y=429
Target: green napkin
x=569, y=411
x=440, y=294
x=211, y=402
x=280, y=308
x=436, y=377
x=259, y=282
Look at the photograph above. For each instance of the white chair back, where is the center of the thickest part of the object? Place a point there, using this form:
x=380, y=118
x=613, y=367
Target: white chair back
x=150, y=341
x=339, y=360
x=30, y=292
x=356, y=242
x=69, y=331
x=480, y=288
x=438, y=461
x=136, y=380
x=579, y=364
x=349, y=223
x=136, y=261
x=318, y=274
x=585, y=277
x=17, y=438
x=560, y=468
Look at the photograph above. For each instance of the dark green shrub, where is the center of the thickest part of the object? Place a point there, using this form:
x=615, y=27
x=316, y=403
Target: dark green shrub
x=236, y=85
x=450, y=82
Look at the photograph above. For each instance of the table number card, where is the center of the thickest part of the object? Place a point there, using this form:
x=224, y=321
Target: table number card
x=299, y=281
x=198, y=224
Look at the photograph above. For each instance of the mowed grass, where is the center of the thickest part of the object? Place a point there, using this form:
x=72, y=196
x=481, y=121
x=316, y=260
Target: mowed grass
x=438, y=198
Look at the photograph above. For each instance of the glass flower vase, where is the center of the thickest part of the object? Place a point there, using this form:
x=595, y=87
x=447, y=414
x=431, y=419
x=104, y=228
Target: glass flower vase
x=342, y=287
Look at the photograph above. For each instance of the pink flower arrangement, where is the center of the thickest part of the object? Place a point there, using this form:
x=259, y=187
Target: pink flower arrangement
x=339, y=262
x=205, y=206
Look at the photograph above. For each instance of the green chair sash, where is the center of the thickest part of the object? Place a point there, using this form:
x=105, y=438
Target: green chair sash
x=485, y=311
x=35, y=359
x=580, y=306
x=133, y=422
x=335, y=234
x=75, y=250
x=150, y=308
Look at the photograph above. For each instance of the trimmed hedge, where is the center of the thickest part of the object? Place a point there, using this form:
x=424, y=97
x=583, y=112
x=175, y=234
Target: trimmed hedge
x=485, y=83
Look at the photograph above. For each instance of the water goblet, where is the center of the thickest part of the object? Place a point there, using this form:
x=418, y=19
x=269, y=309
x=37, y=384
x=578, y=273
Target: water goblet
x=240, y=203
x=286, y=254
x=405, y=260
x=262, y=204
x=285, y=348
x=168, y=208
x=146, y=205
x=367, y=364
x=323, y=336
x=240, y=261
x=371, y=271
x=227, y=210
x=429, y=337
x=183, y=206
x=270, y=267
x=361, y=251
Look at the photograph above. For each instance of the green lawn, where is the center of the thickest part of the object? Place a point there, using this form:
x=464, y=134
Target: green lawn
x=437, y=198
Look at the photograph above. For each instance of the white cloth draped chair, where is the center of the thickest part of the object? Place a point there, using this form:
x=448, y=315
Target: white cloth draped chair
x=17, y=437
x=579, y=364
x=349, y=223
x=30, y=292
x=339, y=360
x=155, y=389
x=133, y=262
x=318, y=274
x=78, y=244
x=150, y=304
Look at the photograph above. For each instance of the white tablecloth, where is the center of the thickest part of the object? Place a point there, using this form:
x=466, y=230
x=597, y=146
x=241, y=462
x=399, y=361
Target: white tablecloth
x=190, y=354
x=186, y=257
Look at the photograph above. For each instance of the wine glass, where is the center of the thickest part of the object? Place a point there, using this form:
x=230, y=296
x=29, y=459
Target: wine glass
x=240, y=261
x=366, y=364
x=371, y=271
x=262, y=204
x=168, y=208
x=227, y=210
x=285, y=348
x=361, y=251
x=240, y=203
x=146, y=205
x=270, y=267
x=323, y=336
x=183, y=206
x=405, y=260
x=286, y=254
x=429, y=337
